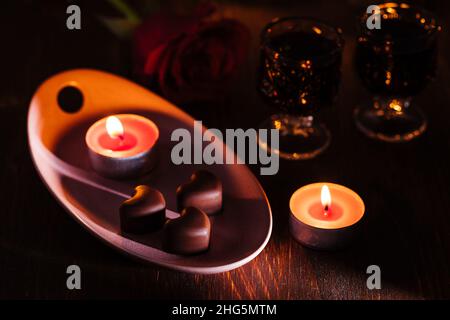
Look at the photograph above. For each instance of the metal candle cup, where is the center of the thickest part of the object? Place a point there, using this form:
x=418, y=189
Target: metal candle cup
x=122, y=146
x=325, y=221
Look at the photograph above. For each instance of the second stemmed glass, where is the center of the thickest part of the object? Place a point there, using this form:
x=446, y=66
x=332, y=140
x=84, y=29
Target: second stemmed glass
x=395, y=62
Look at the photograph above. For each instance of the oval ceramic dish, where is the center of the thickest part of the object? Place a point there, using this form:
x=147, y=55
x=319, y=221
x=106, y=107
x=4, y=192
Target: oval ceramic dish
x=59, y=152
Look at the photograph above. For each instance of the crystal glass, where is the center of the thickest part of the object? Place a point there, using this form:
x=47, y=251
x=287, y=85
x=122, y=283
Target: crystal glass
x=299, y=74
x=395, y=63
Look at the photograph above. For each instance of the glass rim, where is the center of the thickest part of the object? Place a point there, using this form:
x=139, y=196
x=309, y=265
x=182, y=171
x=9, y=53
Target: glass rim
x=336, y=30
x=437, y=27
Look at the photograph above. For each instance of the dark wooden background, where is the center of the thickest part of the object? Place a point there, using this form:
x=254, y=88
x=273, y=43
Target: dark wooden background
x=406, y=187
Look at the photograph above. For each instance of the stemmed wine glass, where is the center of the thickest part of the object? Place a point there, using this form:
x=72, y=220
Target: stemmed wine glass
x=299, y=73
x=395, y=62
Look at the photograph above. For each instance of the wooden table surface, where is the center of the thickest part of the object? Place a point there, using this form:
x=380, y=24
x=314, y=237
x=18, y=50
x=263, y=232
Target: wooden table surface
x=406, y=187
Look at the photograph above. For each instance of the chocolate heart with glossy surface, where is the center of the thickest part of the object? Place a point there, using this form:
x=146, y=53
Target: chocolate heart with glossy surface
x=203, y=191
x=188, y=234
x=144, y=212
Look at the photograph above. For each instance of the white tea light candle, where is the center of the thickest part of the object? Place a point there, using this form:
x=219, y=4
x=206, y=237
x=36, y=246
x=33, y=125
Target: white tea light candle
x=122, y=145
x=325, y=215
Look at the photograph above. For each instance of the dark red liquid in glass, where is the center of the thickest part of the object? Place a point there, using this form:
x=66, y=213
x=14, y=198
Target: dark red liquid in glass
x=397, y=60
x=299, y=71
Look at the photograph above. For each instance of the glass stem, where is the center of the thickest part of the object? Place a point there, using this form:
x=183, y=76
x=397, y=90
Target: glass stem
x=289, y=124
x=391, y=106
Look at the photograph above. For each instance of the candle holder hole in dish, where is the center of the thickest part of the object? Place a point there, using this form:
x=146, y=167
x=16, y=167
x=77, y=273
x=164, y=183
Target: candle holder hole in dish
x=70, y=99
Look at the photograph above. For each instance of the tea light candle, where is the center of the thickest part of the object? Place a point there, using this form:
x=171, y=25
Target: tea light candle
x=122, y=145
x=325, y=215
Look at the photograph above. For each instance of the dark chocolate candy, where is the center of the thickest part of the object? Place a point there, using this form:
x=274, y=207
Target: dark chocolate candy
x=203, y=191
x=144, y=212
x=188, y=234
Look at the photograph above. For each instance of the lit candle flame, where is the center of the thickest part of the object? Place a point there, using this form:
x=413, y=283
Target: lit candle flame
x=325, y=198
x=114, y=127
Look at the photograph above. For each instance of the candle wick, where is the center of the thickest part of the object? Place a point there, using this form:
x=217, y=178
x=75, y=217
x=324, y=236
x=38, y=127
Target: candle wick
x=325, y=210
x=121, y=139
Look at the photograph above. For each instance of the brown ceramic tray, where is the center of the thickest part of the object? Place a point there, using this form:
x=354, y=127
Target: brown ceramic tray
x=59, y=152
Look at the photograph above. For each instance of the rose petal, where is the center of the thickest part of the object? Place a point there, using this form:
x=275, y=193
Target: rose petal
x=191, y=58
x=162, y=27
x=152, y=62
x=178, y=63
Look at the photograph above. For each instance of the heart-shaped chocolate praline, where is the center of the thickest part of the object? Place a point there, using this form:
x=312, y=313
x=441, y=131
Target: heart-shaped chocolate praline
x=187, y=234
x=203, y=191
x=144, y=212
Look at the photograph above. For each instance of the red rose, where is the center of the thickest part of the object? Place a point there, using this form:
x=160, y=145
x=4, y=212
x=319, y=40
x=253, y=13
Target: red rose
x=190, y=58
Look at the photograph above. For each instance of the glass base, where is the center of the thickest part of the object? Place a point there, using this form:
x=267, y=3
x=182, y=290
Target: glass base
x=391, y=120
x=301, y=138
